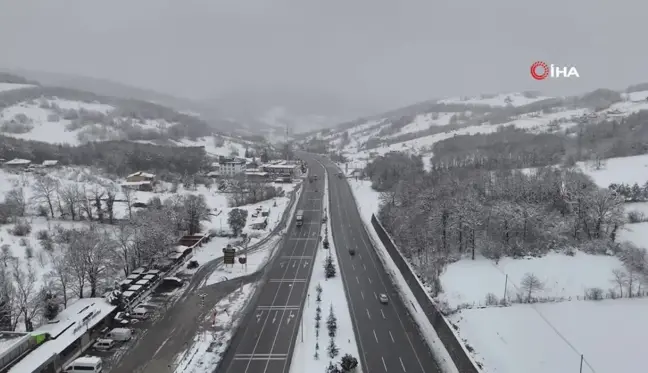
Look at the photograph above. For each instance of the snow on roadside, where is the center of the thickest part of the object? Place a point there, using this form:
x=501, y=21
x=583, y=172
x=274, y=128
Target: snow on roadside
x=367, y=204
x=209, y=345
x=333, y=294
x=255, y=261
x=551, y=337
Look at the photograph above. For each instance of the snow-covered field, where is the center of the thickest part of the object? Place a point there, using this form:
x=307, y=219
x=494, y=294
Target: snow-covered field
x=4, y=87
x=544, y=337
x=209, y=345
x=229, y=146
x=332, y=295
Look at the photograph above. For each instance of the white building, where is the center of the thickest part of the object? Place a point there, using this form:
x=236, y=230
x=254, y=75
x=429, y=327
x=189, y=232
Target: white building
x=231, y=167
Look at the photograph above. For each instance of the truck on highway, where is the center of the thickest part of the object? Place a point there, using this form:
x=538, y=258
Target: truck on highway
x=300, y=217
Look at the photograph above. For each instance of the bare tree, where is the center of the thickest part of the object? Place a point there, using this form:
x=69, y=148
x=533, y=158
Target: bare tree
x=5, y=255
x=155, y=235
x=71, y=195
x=620, y=278
x=111, y=195
x=86, y=203
x=128, y=196
x=125, y=242
x=45, y=189
x=16, y=201
x=97, y=193
x=76, y=263
x=96, y=247
x=530, y=284
x=196, y=211
x=61, y=274
x=27, y=296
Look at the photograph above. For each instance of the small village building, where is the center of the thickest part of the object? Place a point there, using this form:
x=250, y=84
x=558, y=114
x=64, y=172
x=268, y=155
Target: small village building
x=283, y=168
x=259, y=223
x=144, y=186
x=141, y=176
x=18, y=163
x=50, y=163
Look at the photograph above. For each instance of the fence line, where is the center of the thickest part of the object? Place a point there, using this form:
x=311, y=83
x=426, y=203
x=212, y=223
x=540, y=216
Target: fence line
x=459, y=356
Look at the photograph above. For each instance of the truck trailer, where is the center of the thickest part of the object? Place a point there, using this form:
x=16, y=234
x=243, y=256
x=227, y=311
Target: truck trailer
x=299, y=217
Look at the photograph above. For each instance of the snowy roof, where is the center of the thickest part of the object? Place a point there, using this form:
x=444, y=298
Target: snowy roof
x=259, y=220
x=134, y=288
x=133, y=277
x=50, y=163
x=175, y=255
x=135, y=183
x=213, y=173
x=256, y=173
x=149, y=277
x=140, y=173
x=10, y=339
x=66, y=328
x=153, y=272
x=281, y=166
x=18, y=161
x=143, y=282
x=180, y=249
x=128, y=294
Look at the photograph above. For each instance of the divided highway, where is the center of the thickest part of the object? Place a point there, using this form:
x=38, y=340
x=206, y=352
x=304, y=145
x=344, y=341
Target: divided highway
x=266, y=339
x=388, y=338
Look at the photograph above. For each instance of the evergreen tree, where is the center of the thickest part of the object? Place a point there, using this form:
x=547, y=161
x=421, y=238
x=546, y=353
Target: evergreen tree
x=329, y=267
x=348, y=363
x=333, y=350
x=331, y=323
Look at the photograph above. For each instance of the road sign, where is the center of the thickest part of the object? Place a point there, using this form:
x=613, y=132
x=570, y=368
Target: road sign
x=229, y=253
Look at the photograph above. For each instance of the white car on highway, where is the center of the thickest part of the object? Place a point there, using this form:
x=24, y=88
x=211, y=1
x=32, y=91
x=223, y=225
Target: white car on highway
x=383, y=298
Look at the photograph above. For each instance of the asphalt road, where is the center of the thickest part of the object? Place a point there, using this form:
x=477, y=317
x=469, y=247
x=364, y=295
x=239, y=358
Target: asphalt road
x=267, y=342
x=388, y=338
x=177, y=323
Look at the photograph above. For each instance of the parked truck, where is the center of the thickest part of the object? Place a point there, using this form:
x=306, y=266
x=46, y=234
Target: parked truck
x=300, y=217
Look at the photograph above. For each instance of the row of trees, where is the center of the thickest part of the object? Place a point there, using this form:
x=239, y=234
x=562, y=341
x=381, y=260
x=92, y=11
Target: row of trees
x=84, y=261
x=116, y=157
x=634, y=193
x=438, y=216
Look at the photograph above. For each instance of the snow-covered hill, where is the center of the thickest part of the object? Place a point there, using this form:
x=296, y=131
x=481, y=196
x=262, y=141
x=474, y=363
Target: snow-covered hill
x=417, y=128
x=66, y=116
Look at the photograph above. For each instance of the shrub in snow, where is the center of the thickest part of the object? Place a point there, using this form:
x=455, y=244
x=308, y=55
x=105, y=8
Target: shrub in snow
x=326, y=243
x=332, y=368
x=51, y=306
x=21, y=228
x=43, y=235
x=348, y=363
x=29, y=252
x=636, y=217
x=595, y=294
x=491, y=299
x=333, y=349
x=329, y=267
x=331, y=323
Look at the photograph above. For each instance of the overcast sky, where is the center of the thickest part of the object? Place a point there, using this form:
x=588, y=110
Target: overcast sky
x=391, y=52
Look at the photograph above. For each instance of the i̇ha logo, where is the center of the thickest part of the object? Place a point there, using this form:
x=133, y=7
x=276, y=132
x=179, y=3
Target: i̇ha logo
x=541, y=71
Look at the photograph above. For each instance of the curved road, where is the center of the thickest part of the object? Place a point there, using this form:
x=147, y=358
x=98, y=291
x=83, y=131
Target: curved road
x=266, y=343
x=388, y=338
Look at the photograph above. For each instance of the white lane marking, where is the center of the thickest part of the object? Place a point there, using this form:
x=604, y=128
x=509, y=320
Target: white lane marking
x=368, y=315
x=353, y=266
x=375, y=336
x=357, y=279
x=364, y=266
x=383, y=360
x=383, y=314
x=375, y=296
x=391, y=336
x=402, y=365
x=162, y=345
x=362, y=294
x=369, y=278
